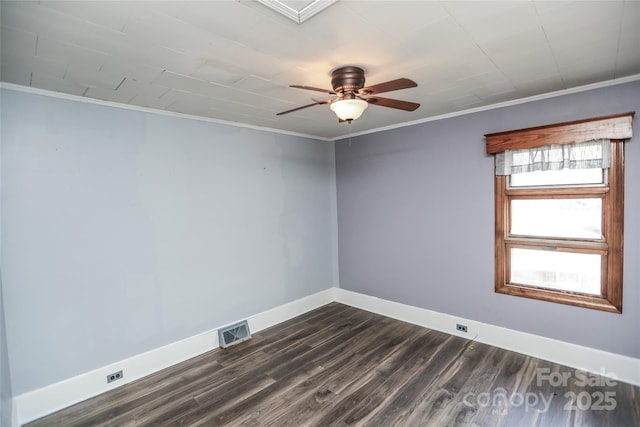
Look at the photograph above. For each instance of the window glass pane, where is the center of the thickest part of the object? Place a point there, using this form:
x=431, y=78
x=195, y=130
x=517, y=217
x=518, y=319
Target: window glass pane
x=557, y=177
x=566, y=271
x=570, y=218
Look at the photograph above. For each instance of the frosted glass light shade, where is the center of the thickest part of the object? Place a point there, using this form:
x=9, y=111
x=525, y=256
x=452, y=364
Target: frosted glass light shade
x=349, y=109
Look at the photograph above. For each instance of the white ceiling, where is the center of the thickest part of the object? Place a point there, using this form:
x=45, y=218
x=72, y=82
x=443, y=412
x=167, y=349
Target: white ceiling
x=233, y=60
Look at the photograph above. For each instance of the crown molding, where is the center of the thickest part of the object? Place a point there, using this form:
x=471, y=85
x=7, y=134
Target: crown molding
x=511, y=103
x=78, y=98
x=578, y=89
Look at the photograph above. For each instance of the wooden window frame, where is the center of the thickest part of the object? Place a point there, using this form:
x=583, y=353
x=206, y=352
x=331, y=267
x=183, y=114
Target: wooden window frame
x=615, y=128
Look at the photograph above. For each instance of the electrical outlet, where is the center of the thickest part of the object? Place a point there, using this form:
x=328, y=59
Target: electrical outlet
x=114, y=377
x=461, y=328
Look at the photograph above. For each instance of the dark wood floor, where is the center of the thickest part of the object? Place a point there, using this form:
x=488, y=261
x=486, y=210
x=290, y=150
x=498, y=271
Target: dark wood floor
x=338, y=366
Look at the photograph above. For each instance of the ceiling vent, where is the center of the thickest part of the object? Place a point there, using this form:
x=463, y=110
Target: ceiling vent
x=298, y=10
x=234, y=334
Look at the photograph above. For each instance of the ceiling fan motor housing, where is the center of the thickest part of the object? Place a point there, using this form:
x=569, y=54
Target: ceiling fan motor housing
x=347, y=79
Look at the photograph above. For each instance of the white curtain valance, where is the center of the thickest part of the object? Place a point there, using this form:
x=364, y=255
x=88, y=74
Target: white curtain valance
x=583, y=155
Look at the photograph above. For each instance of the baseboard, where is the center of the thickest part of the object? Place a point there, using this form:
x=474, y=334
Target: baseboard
x=44, y=401
x=287, y=311
x=38, y=403
x=623, y=368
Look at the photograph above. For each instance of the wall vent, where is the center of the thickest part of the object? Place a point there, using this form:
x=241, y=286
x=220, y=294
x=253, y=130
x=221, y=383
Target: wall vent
x=234, y=334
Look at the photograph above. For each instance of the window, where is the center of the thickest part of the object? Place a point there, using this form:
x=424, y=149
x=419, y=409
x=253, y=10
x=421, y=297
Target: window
x=559, y=211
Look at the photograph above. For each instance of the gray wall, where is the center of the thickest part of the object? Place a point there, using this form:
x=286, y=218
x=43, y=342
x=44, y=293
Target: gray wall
x=5, y=374
x=123, y=231
x=415, y=220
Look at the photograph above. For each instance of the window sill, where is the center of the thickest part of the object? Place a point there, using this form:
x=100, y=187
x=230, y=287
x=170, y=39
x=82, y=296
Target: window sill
x=568, y=298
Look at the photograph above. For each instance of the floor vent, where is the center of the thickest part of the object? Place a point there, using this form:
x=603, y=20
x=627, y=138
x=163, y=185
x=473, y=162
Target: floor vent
x=234, y=334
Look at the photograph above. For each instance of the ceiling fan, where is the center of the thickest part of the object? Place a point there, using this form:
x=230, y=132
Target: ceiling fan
x=352, y=98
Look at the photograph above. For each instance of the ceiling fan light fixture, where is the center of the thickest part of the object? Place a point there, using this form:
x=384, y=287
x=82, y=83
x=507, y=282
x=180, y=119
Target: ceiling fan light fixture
x=352, y=97
x=349, y=109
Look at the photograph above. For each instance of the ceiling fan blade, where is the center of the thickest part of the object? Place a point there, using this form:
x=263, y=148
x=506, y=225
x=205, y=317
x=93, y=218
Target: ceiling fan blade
x=396, y=84
x=392, y=103
x=317, y=89
x=304, y=106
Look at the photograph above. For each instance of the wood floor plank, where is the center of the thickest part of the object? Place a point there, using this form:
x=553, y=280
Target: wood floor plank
x=286, y=371
x=341, y=366
x=377, y=397
x=419, y=387
x=447, y=402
